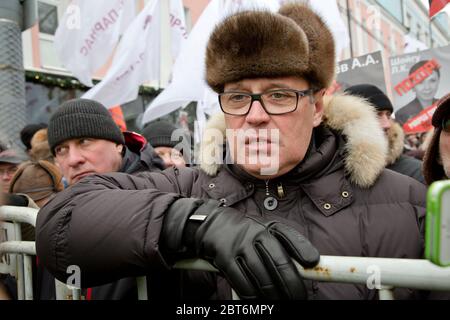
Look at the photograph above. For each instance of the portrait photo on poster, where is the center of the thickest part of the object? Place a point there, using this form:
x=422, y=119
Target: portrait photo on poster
x=418, y=81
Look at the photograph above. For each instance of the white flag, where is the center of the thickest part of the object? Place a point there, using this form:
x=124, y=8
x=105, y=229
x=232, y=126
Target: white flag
x=412, y=44
x=136, y=61
x=88, y=34
x=188, y=83
x=178, y=27
x=329, y=11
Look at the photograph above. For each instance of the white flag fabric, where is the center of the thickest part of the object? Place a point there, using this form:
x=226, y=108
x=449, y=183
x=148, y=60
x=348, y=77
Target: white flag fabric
x=188, y=83
x=412, y=44
x=137, y=60
x=178, y=28
x=88, y=34
x=329, y=11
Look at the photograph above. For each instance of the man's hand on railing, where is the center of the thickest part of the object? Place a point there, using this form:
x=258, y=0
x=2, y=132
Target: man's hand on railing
x=253, y=254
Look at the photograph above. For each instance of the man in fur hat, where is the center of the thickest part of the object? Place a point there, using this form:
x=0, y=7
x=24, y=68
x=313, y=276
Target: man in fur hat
x=321, y=177
x=436, y=162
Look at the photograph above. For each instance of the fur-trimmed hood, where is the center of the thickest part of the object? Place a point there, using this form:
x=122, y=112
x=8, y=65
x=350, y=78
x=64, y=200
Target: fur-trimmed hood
x=366, y=146
x=396, y=138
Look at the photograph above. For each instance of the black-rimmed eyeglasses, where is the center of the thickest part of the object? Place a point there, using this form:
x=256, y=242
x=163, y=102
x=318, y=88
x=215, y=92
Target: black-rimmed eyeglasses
x=274, y=102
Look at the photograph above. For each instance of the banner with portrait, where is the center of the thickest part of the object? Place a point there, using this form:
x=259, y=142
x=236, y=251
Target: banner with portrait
x=418, y=81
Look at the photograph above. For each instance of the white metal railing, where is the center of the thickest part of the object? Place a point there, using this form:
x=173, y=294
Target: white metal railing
x=18, y=214
x=19, y=264
x=383, y=274
x=24, y=251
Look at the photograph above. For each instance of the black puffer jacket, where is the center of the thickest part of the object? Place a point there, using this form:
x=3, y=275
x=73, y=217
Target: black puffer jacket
x=139, y=156
x=340, y=197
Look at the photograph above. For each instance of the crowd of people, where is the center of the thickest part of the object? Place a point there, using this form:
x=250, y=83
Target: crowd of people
x=302, y=174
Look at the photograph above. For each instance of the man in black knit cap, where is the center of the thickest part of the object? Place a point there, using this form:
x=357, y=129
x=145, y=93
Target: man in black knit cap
x=169, y=142
x=396, y=160
x=85, y=140
x=27, y=133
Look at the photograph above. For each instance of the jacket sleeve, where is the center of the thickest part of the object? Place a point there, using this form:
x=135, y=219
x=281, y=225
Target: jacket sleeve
x=108, y=225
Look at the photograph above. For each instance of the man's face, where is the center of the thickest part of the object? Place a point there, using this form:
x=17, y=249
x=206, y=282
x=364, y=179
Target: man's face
x=283, y=138
x=171, y=157
x=426, y=90
x=384, y=119
x=81, y=157
x=7, y=171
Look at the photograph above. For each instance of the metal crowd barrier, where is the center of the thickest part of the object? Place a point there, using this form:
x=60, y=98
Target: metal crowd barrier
x=11, y=217
x=19, y=262
x=383, y=274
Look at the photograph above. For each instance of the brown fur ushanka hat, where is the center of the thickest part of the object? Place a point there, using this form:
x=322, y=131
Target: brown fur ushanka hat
x=256, y=44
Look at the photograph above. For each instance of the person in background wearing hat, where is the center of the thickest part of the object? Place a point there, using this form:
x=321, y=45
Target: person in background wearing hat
x=394, y=134
x=27, y=133
x=85, y=140
x=436, y=162
x=159, y=135
x=321, y=189
x=9, y=162
x=37, y=181
x=40, y=149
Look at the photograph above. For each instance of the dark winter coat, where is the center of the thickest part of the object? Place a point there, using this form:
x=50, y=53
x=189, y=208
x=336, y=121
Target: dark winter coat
x=139, y=156
x=340, y=197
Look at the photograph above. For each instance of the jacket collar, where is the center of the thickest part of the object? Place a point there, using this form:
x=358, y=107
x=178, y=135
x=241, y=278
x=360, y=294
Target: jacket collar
x=318, y=176
x=139, y=154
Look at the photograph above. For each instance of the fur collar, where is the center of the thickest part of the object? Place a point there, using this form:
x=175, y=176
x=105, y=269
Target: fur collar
x=366, y=146
x=395, y=136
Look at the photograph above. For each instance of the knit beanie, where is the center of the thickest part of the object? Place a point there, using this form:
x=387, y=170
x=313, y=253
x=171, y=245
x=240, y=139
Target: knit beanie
x=373, y=94
x=82, y=118
x=159, y=134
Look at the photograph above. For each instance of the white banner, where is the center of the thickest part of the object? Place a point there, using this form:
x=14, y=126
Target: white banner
x=188, y=83
x=88, y=34
x=136, y=60
x=329, y=11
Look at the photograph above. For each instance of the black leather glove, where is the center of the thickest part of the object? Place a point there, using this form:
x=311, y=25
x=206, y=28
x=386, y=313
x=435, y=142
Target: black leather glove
x=253, y=254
